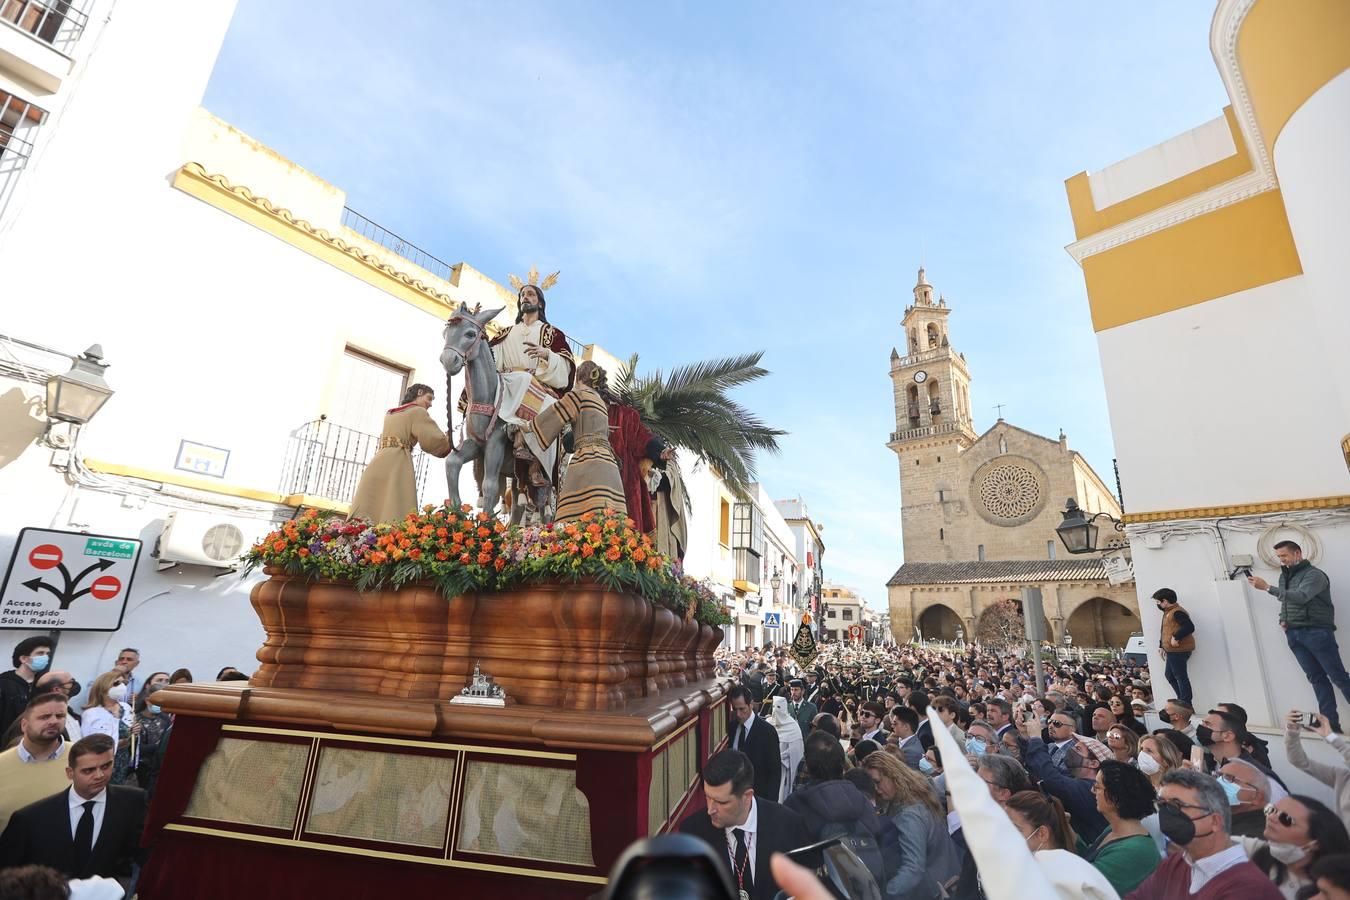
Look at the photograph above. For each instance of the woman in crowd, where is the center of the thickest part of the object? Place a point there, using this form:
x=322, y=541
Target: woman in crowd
x=1012, y=744
x=1045, y=827
x=181, y=676
x=1157, y=756
x=1299, y=832
x=155, y=725
x=1334, y=776
x=929, y=864
x=106, y=712
x=1125, y=852
x=1124, y=713
x=1123, y=743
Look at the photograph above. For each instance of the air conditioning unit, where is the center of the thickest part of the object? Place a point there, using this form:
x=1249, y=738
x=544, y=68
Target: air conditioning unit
x=206, y=539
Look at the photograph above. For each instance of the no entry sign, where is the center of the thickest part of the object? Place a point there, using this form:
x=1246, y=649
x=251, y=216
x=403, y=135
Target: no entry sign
x=67, y=581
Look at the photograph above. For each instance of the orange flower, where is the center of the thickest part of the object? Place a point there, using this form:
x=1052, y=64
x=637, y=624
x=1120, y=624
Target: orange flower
x=587, y=550
x=484, y=532
x=464, y=507
x=632, y=543
x=639, y=555
x=613, y=553
x=405, y=543
x=586, y=517
x=653, y=562
x=487, y=546
x=482, y=517
x=499, y=564
x=484, y=558
x=304, y=551
x=628, y=521
x=572, y=548
x=442, y=533
x=379, y=557
x=571, y=530
x=464, y=558
x=279, y=545
x=442, y=555
x=397, y=553
x=414, y=553
x=593, y=528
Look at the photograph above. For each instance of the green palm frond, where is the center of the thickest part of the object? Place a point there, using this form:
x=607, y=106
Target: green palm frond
x=690, y=408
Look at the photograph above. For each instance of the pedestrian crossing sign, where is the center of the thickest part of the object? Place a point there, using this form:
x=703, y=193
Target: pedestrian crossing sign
x=773, y=620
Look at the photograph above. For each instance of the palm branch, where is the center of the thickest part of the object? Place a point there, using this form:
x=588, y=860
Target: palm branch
x=690, y=408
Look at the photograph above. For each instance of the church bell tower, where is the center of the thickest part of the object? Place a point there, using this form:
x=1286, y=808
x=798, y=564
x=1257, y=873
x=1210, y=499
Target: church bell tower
x=932, y=423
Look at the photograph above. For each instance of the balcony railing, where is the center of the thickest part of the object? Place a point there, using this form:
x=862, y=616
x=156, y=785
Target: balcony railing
x=926, y=431
x=56, y=22
x=326, y=460
x=378, y=234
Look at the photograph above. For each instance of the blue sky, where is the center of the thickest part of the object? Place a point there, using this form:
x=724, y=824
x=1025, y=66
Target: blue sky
x=713, y=178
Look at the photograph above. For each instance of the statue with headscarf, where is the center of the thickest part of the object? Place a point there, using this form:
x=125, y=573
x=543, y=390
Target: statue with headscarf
x=791, y=745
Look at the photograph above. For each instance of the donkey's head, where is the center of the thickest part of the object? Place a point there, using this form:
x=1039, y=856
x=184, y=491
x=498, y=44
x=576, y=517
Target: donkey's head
x=465, y=337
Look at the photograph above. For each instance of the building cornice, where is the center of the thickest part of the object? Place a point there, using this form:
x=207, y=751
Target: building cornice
x=1237, y=509
x=239, y=201
x=1223, y=37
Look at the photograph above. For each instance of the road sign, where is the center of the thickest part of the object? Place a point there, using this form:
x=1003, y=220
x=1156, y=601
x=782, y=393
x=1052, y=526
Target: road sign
x=773, y=620
x=67, y=581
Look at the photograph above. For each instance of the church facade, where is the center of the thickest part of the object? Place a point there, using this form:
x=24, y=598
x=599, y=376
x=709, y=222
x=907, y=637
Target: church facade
x=979, y=511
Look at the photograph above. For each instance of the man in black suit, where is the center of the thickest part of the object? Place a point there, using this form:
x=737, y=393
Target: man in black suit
x=90, y=828
x=758, y=740
x=743, y=829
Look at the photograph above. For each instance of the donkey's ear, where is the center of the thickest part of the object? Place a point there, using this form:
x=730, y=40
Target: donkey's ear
x=463, y=309
x=488, y=315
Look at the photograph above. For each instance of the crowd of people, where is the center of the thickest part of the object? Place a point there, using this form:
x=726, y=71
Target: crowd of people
x=78, y=769
x=872, y=746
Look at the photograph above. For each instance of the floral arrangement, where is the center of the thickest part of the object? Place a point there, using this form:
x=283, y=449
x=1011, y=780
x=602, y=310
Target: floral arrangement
x=462, y=551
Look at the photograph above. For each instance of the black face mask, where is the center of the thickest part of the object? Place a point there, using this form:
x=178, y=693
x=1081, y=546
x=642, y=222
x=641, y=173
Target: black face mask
x=1178, y=827
x=1205, y=735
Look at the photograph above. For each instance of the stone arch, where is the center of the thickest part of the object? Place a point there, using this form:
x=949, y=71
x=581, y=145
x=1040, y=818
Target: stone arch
x=1101, y=622
x=938, y=622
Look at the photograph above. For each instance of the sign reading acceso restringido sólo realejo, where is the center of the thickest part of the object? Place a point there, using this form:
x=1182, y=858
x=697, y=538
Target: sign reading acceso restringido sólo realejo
x=67, y=581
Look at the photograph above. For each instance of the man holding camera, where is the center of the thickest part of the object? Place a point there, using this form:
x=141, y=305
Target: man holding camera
x=1308, y=620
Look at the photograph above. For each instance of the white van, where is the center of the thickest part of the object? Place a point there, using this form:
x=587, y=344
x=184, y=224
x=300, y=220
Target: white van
x=1136, y=651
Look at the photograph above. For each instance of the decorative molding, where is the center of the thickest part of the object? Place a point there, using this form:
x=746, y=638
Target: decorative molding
x=220, y=192
x=1223, y=35
x=1239, y=509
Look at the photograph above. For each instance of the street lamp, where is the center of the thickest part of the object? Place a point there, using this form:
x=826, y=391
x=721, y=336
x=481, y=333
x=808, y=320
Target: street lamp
x=1077, y=532
x=77, y=396
x=776, y=582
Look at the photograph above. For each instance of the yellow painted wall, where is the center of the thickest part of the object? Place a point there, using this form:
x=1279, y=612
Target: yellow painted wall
x=1287, y=50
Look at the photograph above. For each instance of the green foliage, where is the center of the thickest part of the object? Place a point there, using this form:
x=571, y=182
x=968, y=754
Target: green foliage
x=691, y=408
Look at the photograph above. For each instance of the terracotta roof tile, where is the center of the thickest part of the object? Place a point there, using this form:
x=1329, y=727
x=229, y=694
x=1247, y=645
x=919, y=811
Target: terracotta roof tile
x=1000, y=571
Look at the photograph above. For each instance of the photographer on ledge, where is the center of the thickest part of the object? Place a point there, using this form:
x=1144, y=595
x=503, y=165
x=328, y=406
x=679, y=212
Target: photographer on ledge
x=1308, y=620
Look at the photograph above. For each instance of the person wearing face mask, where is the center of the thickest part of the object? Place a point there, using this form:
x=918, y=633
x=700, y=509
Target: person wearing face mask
x=31, y=658
x=1248, y=791
x=1299, y=831
x=1176, y=642
x=1178, y=715
x=1222, y=737
x=1195, y=815
x=1044, y=826
x=155, y=726
x=106, y=712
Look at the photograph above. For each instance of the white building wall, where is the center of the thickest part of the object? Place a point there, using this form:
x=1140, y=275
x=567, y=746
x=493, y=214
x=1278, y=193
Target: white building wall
x=1215, y=404
x=1310, y=159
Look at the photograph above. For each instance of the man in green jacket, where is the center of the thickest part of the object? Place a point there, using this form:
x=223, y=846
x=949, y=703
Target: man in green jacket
x=1308, y=620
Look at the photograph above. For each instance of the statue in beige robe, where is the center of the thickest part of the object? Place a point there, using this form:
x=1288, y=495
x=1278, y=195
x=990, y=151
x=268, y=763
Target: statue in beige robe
x=387, y=491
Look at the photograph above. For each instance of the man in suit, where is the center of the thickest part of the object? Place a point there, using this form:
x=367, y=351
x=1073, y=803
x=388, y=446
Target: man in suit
x=758, y=740
x=90, y=828
x=998, y=712
x=869, y=717
x=802, y=710
x=918, y=701
x=743, y=829
x=905, y=737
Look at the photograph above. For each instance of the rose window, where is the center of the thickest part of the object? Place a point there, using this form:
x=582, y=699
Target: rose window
x=1010, y=492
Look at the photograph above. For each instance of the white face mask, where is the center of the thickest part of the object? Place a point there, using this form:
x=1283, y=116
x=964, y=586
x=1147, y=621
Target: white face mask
x=1147, y=764
x=118, y=692
x=1289, y=854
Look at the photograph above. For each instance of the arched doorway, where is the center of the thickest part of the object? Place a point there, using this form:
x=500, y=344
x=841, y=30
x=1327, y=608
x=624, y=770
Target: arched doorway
x=1103, y=623
x=939, y=623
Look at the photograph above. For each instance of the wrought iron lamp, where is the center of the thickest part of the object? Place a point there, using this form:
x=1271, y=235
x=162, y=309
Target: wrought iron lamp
x=1078, y=532
x=77, y=396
